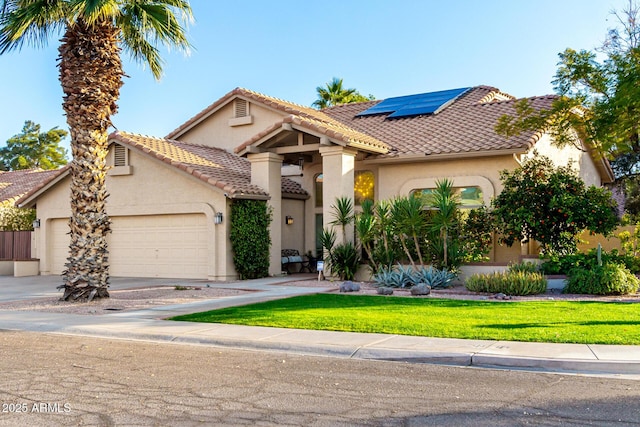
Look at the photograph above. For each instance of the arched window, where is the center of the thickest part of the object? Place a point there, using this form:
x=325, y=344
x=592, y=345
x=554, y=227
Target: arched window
x=363, y=186
x=469, y=197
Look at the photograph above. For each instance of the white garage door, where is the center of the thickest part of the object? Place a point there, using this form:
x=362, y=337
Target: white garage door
x=174, y=246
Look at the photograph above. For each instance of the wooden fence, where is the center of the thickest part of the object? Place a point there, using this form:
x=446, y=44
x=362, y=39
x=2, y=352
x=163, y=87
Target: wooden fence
x=15, y=245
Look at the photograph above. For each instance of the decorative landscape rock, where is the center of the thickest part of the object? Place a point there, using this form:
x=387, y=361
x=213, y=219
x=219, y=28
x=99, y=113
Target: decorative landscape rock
x=349, y=286
x=383, y=290
x=421, y=289
x=502, y=296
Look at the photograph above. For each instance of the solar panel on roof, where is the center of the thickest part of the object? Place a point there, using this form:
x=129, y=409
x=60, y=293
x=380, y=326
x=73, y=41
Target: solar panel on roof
x=414, y=105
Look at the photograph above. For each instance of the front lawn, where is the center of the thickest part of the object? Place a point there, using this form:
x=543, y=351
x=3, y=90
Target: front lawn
x=583, y=322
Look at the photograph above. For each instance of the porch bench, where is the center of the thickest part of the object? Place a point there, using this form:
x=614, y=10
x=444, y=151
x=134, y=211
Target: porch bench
x=291, y=257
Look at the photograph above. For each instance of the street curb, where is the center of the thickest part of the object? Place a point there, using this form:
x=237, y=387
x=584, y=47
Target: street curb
x=557, y=365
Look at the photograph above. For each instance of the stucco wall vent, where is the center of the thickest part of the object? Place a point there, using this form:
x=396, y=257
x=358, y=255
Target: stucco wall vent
x=120, y=161
x=241, y=114
x=119, y=155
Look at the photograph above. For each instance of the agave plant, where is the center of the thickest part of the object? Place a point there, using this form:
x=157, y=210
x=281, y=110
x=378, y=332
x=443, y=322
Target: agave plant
x=398, y=277
x=437, y=279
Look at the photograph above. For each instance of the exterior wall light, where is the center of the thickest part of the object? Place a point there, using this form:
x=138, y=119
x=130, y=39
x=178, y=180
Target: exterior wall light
x=288, y=220
x=217, y=219
x=36, y=223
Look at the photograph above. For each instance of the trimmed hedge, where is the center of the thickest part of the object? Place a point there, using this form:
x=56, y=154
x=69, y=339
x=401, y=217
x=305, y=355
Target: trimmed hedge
x=250, y=239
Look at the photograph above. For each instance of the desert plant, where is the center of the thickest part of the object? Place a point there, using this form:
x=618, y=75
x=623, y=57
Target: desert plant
x=344, y=260
x=524, y=266
x=445, y=218
x=365, y=225
x=395, y=277
x=509, y=283
x=437, y=279
x=606, y=279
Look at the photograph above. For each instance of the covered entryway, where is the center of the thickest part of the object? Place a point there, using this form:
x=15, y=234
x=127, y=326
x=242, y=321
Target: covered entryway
x=173, y=246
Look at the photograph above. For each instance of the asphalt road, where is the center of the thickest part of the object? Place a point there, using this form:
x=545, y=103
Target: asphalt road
x=51, y=380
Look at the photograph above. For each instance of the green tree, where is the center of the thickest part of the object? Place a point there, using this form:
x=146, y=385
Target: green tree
x=598, y=99
x=335, y=94
x=34, y=149
x=93, y=34
x=551, y=205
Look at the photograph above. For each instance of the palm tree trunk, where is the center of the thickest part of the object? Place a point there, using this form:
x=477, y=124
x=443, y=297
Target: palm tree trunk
x=91, y=76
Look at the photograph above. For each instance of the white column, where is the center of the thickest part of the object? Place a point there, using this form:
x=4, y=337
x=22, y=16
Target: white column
x=337, y=181
x=266, y=172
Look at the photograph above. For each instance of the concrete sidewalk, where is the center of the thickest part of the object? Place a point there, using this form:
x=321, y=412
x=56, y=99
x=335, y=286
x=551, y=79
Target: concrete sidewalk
x=147, y=325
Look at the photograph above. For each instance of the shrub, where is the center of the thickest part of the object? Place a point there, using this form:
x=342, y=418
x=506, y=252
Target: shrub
x=606, y=279
x=564, y=264
x=510, y=283
x=249, y=237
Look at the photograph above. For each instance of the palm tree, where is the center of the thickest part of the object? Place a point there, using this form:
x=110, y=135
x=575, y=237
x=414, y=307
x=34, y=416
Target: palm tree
x=95, y=31
x=335, y=94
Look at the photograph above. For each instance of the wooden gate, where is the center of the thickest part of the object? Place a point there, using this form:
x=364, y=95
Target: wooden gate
x=15, y=245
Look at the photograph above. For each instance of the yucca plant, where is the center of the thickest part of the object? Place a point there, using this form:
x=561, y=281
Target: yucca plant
x=365, y=224
x=445, y=202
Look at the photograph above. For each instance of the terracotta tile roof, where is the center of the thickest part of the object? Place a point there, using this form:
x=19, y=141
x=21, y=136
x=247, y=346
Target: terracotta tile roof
x=281, y=105
x=465, y=126
x=212, y=165
x=15, y=184
x=332, y=129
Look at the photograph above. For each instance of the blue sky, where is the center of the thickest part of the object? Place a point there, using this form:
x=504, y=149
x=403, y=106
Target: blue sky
x=286, y=48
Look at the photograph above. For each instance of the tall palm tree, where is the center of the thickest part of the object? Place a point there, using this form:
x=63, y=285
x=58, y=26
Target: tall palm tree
x=94, y=33
x=335, y=94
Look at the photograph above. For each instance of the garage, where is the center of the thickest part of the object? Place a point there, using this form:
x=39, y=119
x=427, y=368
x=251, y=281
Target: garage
x=172, y=246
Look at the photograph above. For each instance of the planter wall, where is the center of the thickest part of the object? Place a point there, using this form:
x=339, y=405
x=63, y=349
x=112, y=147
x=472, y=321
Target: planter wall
x=6, y=268
x=26, y=268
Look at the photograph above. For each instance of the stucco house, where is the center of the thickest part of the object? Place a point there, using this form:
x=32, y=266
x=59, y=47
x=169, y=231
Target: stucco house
x=170, y=197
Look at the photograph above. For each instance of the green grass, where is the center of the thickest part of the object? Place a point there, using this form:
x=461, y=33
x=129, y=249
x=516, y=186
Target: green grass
x=540, y=321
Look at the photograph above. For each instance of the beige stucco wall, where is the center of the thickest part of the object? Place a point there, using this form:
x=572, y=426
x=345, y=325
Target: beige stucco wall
x=580, y=160
x=293, y=235
x=215, y=130
x=152, y=189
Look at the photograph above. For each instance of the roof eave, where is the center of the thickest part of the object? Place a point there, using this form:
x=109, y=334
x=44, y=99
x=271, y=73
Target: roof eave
x=404, y=158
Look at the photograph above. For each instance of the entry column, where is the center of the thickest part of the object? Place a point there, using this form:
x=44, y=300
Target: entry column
x=266, y=172
x=337, y=181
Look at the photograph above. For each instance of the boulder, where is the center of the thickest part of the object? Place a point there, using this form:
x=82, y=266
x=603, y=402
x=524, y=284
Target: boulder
x=421, y=289
x=349, y=286
x=383, y=290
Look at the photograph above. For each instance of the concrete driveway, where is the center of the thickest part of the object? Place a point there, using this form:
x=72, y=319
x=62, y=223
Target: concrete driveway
x=23, y=288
